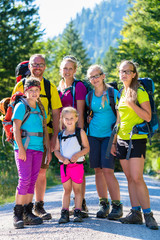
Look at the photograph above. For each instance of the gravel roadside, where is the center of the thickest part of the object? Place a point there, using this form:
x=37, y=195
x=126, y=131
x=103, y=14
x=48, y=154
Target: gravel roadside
x=92, y=227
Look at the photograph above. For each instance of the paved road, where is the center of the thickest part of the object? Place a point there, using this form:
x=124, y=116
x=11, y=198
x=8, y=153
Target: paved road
x=91, y=228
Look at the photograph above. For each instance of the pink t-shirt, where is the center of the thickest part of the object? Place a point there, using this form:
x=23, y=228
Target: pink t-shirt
x=67, y=98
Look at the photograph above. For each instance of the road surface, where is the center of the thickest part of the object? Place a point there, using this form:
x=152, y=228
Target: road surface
x=92, y=227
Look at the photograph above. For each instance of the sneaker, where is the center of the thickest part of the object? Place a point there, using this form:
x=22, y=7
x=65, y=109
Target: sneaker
x=103, y=210
x=40, y=212
x=133, y=217
x=18, y=217
x=117, y=212
x=150, y=221
x=28, y=217
x=77, y=216
x=64, y=216
x=84, y=211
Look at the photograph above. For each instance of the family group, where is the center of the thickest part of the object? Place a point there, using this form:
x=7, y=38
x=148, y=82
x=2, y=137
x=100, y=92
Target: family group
x=63, y=108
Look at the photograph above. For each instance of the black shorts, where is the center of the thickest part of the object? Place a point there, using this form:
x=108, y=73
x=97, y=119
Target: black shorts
x=97, y=154
x=137, y=150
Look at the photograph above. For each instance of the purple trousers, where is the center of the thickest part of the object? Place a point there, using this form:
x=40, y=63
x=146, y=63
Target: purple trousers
x=28, y=171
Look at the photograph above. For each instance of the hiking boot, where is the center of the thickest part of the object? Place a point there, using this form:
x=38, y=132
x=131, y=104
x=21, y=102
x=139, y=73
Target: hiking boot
x=150, y=221
x=28, y=217
x=64, y=216
x=18, y=216
x=84, y=211
x=40, y=212
x=117, y=211
x=103, y=210
x=77, y=216
x=133, y=217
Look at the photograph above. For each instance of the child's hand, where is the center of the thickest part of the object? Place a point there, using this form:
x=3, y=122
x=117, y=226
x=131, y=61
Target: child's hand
x=22, y=154
x=66, y=161
x=74, y=158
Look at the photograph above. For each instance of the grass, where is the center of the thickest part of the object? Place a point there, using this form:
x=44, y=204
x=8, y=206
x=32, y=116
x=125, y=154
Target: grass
x=53, y=179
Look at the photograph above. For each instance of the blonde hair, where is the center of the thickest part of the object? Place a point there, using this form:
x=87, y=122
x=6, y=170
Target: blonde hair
x=67, y=110
x=105, y=85
x=131, y=94
x=71, y=59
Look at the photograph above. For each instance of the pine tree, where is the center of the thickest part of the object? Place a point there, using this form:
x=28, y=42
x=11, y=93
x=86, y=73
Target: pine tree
x=141, y=37
x=73, y=45
x=19, y=29
x=67, y=44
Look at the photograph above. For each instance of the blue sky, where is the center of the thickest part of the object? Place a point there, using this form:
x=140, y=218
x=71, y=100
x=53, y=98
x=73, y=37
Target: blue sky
x=55, y=14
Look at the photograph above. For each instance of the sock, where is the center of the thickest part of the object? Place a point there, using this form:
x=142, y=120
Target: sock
x=104, y=199
x=77, y=209
x=147, y=210
x=137, y=208
x=65, y=209
x=116, y=202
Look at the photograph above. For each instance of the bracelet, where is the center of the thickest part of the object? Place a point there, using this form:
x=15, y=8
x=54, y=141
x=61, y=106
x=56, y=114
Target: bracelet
x=114, y=143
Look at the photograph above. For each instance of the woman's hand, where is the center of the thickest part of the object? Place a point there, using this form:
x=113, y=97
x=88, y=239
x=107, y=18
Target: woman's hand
x=89, y=118
x=113, y=149
x=143, y=111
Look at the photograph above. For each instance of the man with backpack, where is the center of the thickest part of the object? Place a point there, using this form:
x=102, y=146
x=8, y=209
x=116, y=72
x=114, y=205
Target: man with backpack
x=51, y=102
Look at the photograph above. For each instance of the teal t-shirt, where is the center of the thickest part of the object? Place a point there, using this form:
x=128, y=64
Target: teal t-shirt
x=32, y=124
x=103, y=117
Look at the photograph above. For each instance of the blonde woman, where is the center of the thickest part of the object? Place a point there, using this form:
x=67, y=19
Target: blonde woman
x=100, y=129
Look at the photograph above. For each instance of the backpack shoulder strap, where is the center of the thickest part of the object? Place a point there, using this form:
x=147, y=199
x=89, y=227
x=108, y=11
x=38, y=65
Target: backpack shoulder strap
x=27, y=108
x=60, y=136
x=111, y=99
x=23, y=81
x=73, y=90
x=89, y=97
x=47, y=87
x=78, y=135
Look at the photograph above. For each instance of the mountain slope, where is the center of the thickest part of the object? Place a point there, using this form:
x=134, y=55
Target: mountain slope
x=100, y=27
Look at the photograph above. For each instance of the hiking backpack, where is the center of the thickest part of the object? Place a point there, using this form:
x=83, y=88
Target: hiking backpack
x=147, y=128
x=6, y=107
x=77, y=134
x=22, y=71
